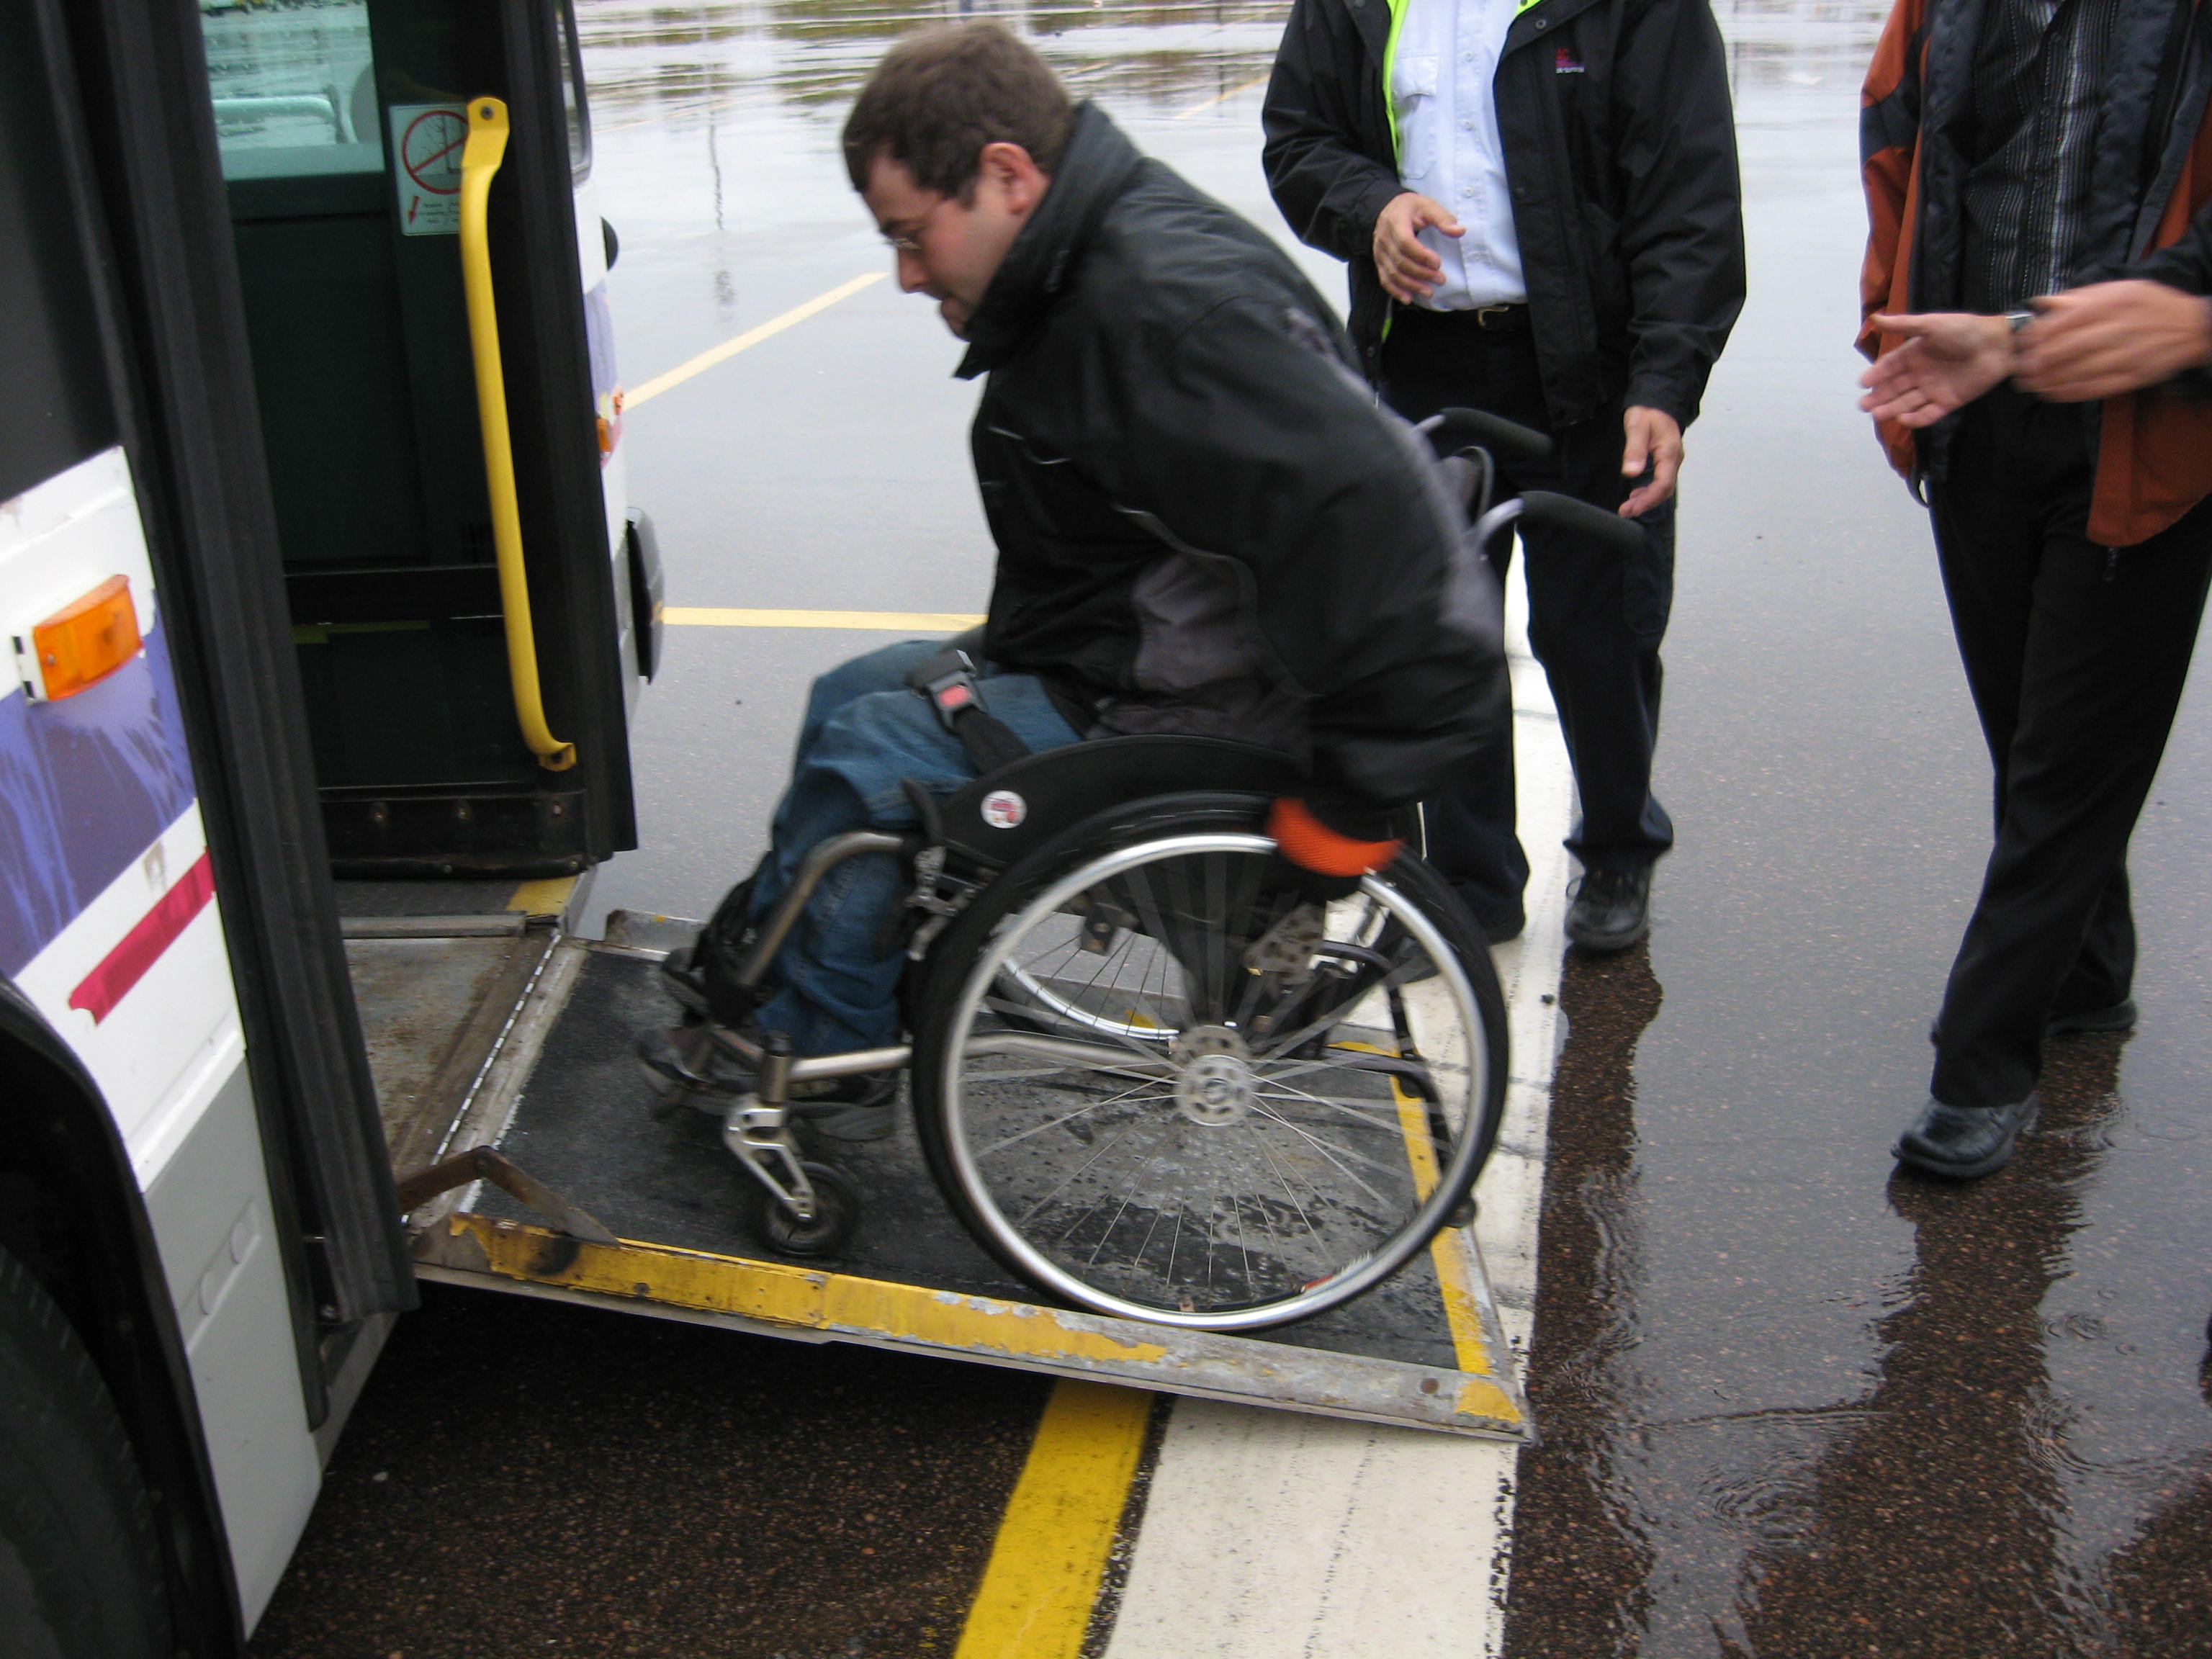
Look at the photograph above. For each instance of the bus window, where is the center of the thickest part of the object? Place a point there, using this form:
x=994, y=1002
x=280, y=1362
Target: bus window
x=295, y=88
x=57, y=411
x=572, y=93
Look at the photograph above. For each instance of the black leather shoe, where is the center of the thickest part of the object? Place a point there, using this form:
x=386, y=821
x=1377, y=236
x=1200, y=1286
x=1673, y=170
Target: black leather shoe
x=1499, y=925
x=1965, y=1142
x=1612, y=908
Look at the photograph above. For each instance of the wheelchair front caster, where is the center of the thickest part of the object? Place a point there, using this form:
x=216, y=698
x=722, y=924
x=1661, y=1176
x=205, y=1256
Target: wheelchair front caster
x=836, y=1212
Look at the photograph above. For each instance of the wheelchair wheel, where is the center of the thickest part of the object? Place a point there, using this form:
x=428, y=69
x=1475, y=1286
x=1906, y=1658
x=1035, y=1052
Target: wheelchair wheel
x=1155, y=1087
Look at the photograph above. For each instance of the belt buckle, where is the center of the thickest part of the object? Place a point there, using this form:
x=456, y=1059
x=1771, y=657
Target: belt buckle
x=1490, y=316
x=954, y=694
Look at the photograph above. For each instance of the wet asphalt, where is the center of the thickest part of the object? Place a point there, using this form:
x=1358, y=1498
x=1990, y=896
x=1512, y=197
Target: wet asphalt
x=1794, y=1403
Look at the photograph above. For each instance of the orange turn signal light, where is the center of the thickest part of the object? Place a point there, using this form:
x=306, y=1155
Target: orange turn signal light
x=84, y=642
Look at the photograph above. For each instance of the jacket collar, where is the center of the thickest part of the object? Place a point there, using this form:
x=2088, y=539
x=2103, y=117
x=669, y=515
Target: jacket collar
x=1095, y=169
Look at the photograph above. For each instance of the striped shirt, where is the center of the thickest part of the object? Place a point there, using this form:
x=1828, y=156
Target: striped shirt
x=2031, y=141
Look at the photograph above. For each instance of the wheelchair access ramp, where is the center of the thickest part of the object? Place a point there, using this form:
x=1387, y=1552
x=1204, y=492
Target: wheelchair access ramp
x=594, y=1200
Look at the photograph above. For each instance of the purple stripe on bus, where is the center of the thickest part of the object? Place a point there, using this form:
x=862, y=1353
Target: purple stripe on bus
x=86, y=785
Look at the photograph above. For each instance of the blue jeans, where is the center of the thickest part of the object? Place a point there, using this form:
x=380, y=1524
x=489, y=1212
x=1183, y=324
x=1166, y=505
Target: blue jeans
x=864, y=732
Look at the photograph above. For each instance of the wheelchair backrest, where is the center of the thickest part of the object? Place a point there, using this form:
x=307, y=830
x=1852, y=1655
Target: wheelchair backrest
x=1004, y=814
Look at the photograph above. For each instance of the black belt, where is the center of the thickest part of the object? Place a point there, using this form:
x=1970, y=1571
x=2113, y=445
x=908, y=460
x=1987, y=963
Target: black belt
x=1491, y=319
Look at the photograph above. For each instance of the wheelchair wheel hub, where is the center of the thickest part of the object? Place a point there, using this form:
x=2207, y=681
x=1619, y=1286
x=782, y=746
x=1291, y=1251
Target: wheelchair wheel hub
x=1214, y=1086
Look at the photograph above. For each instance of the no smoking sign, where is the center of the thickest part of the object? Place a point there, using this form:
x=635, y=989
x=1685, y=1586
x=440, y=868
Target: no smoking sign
x=427, y=140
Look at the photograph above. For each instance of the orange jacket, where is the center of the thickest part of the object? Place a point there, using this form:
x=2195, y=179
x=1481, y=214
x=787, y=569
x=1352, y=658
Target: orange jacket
x=2155, y=452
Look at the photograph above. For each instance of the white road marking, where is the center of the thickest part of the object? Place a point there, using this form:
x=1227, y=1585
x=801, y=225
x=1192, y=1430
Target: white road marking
x=1275, y=1535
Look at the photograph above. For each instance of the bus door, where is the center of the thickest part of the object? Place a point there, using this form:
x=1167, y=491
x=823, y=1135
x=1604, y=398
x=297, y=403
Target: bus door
x=466, y=718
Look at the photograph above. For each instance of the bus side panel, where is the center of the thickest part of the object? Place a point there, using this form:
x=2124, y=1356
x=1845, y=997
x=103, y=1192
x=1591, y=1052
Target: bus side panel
x=110, y=928
x=211, y=1216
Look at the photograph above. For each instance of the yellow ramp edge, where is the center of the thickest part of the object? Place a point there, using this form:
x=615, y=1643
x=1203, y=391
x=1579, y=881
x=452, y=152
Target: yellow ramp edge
x=470, y=1247
x=547, y=897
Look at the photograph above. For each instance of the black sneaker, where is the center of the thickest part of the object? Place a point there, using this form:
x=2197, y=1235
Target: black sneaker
x=1612, y=908
x=686, y=1066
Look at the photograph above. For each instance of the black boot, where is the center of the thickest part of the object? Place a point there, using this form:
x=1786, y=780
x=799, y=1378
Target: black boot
x=1965, y=1142
x=1612, y=908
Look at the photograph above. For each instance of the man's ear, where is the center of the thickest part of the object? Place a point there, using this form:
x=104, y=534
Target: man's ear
x=1009, y=171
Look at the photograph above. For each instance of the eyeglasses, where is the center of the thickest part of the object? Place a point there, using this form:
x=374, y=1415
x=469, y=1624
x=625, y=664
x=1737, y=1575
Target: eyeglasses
x=909, y=241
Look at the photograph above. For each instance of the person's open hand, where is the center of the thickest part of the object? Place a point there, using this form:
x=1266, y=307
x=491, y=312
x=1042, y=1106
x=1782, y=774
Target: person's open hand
x=1655, y=440
x=2111, y=337
x=1949, y=358
x=1409, y=270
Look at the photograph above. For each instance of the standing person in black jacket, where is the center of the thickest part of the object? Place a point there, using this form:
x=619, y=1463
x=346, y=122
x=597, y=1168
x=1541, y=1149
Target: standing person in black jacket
x=1204, y=524
x=2038, y=183
x=1541, y=217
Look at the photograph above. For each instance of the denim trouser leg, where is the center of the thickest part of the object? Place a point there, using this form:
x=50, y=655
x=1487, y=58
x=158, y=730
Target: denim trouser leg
x=864, y=733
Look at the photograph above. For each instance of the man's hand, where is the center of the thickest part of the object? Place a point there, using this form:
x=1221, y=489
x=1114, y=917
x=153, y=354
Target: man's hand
x=1655, y=440
x=1409, y=271
x=1949, y=358
x=2111, y=337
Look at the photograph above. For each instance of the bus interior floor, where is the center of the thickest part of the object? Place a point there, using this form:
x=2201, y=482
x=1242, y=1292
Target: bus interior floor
x=436, y=995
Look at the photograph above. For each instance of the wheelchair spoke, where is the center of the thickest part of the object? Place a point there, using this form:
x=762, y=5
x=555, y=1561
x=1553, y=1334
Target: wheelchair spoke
x=1331, y=1154
x=1121, y=1099
x=1138, y=1169
x=1083, y=1170
x=1266, y=1153
x=1349, y=1105
x=1282, y=1046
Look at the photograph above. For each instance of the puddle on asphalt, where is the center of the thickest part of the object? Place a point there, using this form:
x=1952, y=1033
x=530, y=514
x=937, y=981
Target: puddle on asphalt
x=2007, y=1459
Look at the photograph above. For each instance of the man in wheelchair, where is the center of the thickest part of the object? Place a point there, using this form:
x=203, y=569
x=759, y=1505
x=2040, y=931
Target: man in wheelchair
x=1205, y=527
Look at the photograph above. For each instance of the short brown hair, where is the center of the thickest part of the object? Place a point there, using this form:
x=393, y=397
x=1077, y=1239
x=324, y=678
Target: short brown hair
x=937, y=97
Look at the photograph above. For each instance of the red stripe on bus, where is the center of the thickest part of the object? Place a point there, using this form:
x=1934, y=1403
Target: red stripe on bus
x=141, y=947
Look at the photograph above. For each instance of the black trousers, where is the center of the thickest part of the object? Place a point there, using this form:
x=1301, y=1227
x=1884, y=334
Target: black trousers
x=1594, y=619
x=2076, y=655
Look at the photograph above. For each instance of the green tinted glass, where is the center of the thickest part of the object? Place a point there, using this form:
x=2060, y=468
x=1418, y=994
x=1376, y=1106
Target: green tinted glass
x=294, y=86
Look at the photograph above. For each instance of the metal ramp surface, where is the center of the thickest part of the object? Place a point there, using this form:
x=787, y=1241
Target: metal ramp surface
x=563, y=1101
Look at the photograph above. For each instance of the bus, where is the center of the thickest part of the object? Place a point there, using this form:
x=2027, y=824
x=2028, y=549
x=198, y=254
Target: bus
x=327, y=616
x=317, y=566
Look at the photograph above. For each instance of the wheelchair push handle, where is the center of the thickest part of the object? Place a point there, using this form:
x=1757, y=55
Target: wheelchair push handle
x=1623, y=535
x=1452, y=431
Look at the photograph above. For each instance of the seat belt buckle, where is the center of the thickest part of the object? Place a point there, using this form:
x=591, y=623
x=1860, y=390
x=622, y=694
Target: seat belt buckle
x=954, y=694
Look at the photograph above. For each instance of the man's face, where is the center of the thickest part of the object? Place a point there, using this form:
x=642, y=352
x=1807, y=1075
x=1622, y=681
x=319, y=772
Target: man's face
x=947, y=248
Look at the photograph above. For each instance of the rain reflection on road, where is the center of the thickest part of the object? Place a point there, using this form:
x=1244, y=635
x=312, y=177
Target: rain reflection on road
x=1792, y=1406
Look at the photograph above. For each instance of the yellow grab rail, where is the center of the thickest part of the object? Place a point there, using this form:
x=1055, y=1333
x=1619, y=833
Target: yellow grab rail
x=480, y=161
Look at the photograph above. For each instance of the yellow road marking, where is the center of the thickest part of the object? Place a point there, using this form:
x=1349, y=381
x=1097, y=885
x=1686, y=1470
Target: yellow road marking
x=1222, y=98
x=548, y=897
x=1462, y=1313
x=922, y=622
x=746, y=341
x=1037, y=1593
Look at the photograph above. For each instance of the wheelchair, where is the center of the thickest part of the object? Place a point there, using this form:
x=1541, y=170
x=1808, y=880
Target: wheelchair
x=1152, y=1079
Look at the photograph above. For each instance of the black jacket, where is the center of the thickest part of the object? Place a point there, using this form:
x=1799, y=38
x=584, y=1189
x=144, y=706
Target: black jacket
x=1204, y=524
x=1620, y=149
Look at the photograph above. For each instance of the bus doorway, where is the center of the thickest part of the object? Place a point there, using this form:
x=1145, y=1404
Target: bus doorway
x=468, y=650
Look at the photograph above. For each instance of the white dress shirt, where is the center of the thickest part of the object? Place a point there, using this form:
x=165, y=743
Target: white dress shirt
x=1447, y=143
